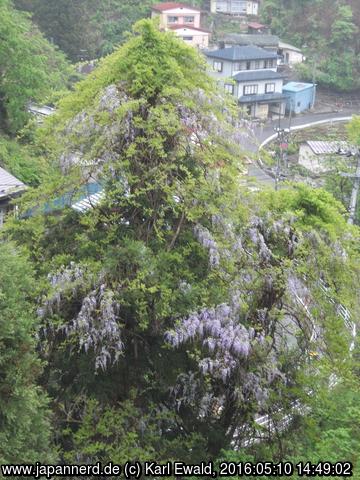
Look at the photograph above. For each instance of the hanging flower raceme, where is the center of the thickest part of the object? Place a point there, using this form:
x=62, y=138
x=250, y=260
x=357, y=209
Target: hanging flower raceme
x=219, y=331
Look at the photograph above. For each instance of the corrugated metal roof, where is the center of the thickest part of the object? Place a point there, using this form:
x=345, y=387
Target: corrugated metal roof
x=9, y=184
x=253, y=75
x=237, y=53
x=330, y=148
x=43, y=110
x=89, y=202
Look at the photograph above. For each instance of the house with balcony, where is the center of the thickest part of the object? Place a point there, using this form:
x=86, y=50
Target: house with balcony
x=250, y=74
x=183, y=20
x=235, y=7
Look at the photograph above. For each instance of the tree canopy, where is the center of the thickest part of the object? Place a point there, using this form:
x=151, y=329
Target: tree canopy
x=30, y=67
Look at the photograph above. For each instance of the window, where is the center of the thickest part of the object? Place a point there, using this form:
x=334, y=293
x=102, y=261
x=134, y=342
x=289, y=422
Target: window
x=189, y=19
x=229, y=87
x=250, y=89
x=172, y=19
x=239, y=66
x=189, y=39
x=248, y=65
x=269, y=63
x=218, y=66
x=269, y=87
x=257, y=64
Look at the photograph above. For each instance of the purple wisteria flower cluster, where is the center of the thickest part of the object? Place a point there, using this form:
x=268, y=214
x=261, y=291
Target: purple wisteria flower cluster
x=97, y=327
x=220, y=332
x=207, y=241
x=66, y=280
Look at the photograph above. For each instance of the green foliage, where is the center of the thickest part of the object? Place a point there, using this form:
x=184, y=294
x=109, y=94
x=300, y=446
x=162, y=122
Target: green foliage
x=32, y=69
x=22, y=161
x=327, y=32
x=24, y=417
x=86, y=29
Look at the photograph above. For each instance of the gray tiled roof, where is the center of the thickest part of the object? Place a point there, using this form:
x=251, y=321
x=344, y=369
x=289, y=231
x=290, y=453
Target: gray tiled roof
x=261, y=40
x=267, y=97
x=236, y=53
x=252, y=75
x=9, y=184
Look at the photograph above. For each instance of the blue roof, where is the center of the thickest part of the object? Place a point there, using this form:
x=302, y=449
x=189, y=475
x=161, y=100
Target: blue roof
x=237, y=53
x=297, y=86
x=252, y=75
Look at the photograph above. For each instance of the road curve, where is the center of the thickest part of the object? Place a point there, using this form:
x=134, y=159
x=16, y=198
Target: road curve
x=265, y=134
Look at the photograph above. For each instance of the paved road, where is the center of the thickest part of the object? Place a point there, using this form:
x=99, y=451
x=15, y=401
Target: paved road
x=263, y=133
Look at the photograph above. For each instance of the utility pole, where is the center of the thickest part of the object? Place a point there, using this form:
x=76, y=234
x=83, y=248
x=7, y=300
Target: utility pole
x=282, y=141
x=355, y=190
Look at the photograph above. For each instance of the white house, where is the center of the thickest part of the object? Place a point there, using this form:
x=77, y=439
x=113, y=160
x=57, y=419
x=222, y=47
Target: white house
x=289, y=55
x=250, y=74
x=184, y=20
x=235, y=7
x=317, y=156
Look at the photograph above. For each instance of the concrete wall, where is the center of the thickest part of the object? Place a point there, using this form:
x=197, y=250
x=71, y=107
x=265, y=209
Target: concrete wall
x=314, y=163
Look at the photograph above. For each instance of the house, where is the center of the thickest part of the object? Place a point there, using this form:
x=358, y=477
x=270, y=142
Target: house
x=250, y=74
x=266, y=41
x=184, y=20
x=235, y=7
x=300, y=96
x=10, y=188
x=316, y=156
x=289, y=55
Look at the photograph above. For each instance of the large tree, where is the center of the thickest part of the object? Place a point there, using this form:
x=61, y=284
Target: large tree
x=24, y=416
x=181, y=306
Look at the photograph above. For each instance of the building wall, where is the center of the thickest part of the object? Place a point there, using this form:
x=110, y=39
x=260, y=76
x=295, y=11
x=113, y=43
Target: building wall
x=235, y=7
x=291, y=57
x=230, y=68
x=252, y=8
x=180, y=13
x=193, y=37
x=239, y=88
x=314, y=163
x=261, y=110
x=300, y=101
